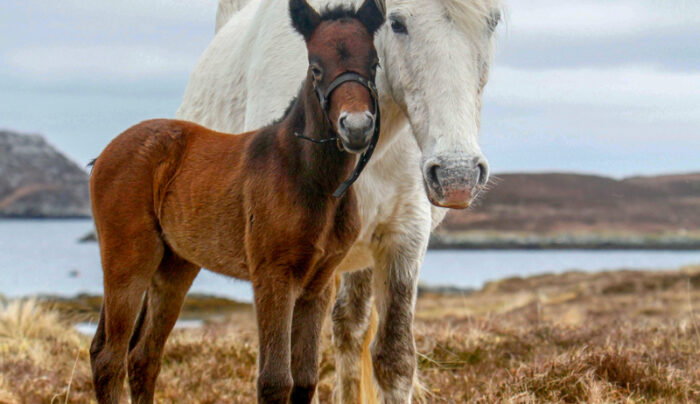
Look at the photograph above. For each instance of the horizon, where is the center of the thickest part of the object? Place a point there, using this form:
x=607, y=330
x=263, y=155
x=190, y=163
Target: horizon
x=130, y=61
x=494, y=176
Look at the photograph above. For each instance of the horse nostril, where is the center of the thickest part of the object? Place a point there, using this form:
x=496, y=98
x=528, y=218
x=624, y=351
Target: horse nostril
x=341, y=122
x=482, y=175
x=433, y=174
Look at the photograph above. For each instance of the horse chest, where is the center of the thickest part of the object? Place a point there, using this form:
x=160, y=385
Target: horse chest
x=310, y=243
x=332, y=246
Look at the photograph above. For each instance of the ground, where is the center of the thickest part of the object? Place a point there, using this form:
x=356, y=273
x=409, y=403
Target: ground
x=618, y=336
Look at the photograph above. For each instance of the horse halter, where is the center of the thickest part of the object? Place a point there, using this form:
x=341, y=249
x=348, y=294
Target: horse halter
x=323, y=98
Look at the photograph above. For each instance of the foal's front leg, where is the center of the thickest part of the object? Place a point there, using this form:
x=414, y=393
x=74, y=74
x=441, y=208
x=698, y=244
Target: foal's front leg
x=274, y=303
x=309, y=313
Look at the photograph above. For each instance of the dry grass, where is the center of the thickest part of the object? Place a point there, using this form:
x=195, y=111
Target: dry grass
x=610, y=337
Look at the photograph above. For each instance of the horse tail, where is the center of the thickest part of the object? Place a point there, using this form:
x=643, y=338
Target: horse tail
x=368, y=391
x=226, y=9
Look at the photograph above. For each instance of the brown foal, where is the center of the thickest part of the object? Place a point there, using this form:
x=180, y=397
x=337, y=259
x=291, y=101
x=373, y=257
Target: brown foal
x=170, y=197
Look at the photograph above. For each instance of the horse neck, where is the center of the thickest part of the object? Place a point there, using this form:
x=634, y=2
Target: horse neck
x=394, y=118
x=323, y=164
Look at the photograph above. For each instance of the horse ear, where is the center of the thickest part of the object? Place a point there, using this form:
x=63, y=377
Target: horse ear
x=372, y=13
x=304, y=18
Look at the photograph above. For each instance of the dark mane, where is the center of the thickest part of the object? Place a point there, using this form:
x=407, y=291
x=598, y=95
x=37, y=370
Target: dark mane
x=289, y=107
x=338, y=13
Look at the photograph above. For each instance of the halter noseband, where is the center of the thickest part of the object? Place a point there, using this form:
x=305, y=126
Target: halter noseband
x=323, y=98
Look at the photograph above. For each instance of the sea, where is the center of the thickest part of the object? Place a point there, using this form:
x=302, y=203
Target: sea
x=45, y=257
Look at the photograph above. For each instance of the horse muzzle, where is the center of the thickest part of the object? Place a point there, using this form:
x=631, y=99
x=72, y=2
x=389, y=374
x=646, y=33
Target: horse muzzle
x=454, y=182
x=356, y=130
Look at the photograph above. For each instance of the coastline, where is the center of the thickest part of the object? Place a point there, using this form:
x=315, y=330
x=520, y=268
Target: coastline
x=508, y=240
x=565, y=241
x=206, y=308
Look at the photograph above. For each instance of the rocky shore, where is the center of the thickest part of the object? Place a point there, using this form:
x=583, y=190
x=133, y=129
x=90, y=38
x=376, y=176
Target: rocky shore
x=37, y=181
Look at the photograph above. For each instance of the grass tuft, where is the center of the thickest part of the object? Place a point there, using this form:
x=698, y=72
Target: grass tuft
x=615, y=337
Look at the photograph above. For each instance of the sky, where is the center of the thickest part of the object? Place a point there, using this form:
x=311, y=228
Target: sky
x=608, y=87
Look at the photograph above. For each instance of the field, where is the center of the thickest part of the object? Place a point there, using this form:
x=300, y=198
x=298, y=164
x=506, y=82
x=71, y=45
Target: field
x=619, y=336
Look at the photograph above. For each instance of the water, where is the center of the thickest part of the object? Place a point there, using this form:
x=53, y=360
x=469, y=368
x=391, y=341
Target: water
x=44, y=257
x=89, y=327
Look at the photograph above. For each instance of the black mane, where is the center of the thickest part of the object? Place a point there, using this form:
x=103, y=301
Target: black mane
x=338, y=13
x=290, y=107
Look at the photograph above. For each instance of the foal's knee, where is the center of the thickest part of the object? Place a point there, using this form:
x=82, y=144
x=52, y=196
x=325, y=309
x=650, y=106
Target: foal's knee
x=274, y=388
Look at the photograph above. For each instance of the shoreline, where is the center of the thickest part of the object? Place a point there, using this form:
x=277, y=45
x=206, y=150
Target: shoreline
x=204, y=308
x=83, y=308
x=508, y=240
x=518, y=241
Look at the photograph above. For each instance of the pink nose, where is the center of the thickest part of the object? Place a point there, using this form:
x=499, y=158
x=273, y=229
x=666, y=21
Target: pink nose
x=454, y=182
x=456, y=198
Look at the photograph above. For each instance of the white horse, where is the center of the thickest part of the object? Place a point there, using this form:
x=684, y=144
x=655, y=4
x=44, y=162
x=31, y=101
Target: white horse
x=435, y=57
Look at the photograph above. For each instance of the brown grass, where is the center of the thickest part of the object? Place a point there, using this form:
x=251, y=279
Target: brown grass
x=610, y=337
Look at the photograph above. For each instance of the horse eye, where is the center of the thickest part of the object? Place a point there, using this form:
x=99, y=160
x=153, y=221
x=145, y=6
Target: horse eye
x=398, y=27
x=316, y=71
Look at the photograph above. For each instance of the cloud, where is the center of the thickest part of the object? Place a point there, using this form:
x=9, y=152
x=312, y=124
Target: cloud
x=601, y=18
x=590, y=33
x=187, y=11
x=637, y=92
x=98, y=62
x=582, y=85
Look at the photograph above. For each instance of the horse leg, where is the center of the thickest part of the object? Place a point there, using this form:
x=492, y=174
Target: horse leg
x=274, y=305
x=351, y=320
x=160, y=311
x=128, y=268
x=395, y=279
x=307, y=324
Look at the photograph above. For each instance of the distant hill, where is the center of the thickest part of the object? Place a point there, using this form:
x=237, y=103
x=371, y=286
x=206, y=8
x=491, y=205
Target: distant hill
x=572, y=203
x=36, y=180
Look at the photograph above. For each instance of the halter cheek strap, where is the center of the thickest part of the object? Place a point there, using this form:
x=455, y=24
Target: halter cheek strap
x=323, y=97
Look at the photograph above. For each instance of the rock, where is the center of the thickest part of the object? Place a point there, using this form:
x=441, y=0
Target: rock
x=90, y=237
x=37, y=181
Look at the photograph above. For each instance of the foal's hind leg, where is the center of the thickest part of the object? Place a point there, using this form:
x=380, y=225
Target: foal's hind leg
x=307, y=323
x=161, y=309
x=128, y=264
